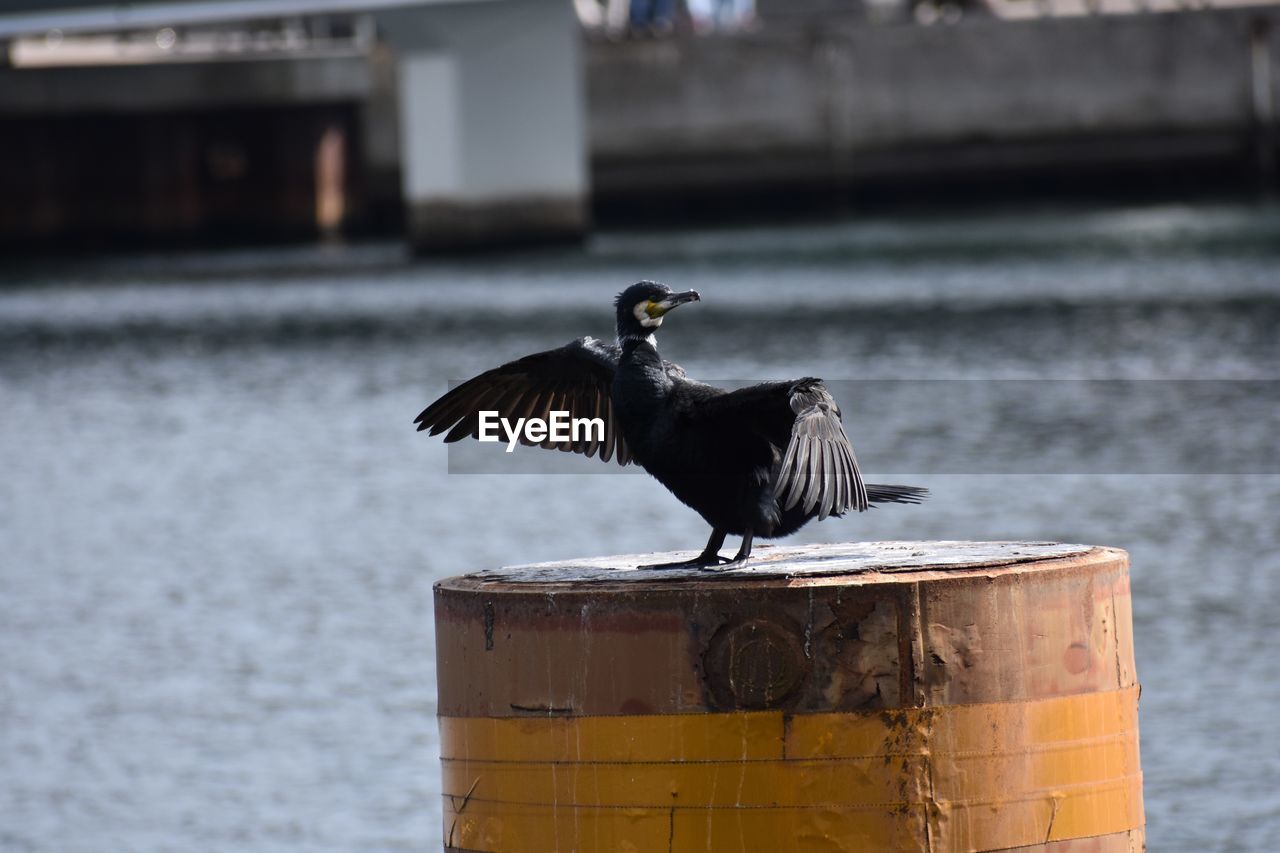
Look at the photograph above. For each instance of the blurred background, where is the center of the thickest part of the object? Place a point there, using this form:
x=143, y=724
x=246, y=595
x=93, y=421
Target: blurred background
x=1033, y=244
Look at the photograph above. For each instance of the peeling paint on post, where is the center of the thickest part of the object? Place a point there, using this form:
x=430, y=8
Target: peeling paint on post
x=930, y=696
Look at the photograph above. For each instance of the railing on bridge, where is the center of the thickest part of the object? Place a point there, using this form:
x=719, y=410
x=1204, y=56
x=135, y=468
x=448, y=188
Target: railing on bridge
x=313, y=36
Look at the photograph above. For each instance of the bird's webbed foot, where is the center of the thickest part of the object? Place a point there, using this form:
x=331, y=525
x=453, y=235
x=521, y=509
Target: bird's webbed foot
x=709, y=557
x=702, y=561
x=725, y=564
x=739, y=560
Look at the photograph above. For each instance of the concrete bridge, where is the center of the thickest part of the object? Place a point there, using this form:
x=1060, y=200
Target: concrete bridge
x=497, y=143
x=492, y=142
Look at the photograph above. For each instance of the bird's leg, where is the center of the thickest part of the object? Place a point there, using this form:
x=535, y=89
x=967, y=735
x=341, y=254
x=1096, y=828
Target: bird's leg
x=744, y=554
x=710, y=555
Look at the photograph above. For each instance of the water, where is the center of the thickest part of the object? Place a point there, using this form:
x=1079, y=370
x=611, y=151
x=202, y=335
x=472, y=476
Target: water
x=219, y=530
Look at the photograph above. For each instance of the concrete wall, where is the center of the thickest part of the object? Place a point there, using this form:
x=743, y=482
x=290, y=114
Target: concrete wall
x=791, y=102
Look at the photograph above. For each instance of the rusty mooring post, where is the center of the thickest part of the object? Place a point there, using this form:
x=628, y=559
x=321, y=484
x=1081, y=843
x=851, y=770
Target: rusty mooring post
x=892, y=696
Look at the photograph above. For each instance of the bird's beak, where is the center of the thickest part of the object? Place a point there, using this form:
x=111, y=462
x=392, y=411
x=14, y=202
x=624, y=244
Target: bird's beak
x=657, y=309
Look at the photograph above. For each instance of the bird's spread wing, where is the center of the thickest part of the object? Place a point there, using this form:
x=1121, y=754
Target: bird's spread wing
x=818, y=470
x=575, y=378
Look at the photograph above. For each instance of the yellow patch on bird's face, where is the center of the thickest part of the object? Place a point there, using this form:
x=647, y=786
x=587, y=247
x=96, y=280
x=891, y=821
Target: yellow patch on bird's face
x=649, y=314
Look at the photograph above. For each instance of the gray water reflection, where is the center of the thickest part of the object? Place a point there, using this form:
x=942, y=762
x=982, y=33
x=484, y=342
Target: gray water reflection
x=220, y=531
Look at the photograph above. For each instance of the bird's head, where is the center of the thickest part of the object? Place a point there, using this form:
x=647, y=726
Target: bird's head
x=642, y=306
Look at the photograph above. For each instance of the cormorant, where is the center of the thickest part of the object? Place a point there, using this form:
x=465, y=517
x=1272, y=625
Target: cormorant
x=759, y=461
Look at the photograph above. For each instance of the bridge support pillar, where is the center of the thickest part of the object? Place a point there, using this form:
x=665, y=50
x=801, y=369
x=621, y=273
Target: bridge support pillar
x=492, y=131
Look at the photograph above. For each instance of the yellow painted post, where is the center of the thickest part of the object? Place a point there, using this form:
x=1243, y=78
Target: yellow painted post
x=893, y=696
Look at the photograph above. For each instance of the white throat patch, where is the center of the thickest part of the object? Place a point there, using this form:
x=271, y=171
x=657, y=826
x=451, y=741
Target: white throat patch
x=643, y=316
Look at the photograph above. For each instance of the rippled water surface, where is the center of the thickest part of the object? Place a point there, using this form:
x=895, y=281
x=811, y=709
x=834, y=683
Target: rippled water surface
x=218, y=530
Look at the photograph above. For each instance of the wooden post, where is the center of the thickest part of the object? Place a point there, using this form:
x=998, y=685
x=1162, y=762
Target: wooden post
x=892, y=696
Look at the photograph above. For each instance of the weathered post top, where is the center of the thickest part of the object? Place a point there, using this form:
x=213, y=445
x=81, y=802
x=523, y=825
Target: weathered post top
x=774, y=562
x=867, y=696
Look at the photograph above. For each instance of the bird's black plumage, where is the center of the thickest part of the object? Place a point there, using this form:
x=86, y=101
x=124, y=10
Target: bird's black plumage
x=758, y=461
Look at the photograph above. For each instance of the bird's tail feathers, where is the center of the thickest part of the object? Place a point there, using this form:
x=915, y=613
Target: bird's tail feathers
x=881, y=494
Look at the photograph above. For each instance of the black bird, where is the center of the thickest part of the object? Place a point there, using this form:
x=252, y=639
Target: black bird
x=759, y=461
